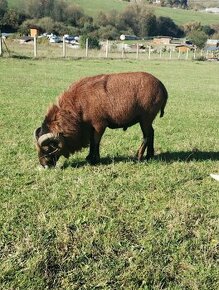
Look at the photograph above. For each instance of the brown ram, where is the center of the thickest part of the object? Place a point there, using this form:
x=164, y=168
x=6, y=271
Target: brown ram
x=92, y=104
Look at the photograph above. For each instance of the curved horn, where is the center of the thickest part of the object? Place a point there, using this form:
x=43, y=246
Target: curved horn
x=47, y=137
x=36, y=133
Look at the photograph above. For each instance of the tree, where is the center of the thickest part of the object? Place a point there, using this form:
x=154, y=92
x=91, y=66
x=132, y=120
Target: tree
x=12, y=20
x=59, y=11
x=208, y=30
x=140, y=19
x=166, y=26
x=3, y=10
x=102, y=19
x=198, y=38
x=39, y=8
x=73, y=13
x=191, y=26
x=3, y=7
x=147, y=25
x=108, y=32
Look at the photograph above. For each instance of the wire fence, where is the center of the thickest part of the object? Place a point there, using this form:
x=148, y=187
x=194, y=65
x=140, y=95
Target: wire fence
x=39, y=48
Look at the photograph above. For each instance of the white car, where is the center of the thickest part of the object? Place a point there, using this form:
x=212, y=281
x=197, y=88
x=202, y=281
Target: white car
x=55, y=39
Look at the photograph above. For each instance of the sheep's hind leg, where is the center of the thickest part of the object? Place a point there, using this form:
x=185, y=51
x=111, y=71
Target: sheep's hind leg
x=141, y=150
x=148, y=142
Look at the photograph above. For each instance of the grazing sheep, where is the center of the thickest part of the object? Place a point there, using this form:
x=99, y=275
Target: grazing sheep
x=92, y=104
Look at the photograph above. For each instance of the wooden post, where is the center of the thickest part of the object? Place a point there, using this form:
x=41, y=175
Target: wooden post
x=137, y=51
x=107, y=48
x=149, y=53
x=87, y=43
x=64, y=47
x=187, y=53
x=35, y=46
x=1, y=51
x=179, y=54
x=194, y=56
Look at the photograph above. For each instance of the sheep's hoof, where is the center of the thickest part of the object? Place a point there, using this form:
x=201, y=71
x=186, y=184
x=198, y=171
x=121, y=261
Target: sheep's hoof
x=149, y=156
x=93, y=160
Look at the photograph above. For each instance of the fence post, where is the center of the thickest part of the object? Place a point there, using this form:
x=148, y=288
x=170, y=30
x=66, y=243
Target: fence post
x=35, y=46
x=179, y=54
x=149, y=53
x=194, y=56
x=1, y=51
x=86, y=53
x=187, y=53
x=137, y=51
x=64, y=47
x=170, y=54
x=107, y=48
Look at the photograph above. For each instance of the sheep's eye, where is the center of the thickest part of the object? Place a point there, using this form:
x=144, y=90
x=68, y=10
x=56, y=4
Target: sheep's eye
x=45, y=149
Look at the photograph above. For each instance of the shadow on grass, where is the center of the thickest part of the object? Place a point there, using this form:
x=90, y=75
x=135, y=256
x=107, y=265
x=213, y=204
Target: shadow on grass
x=186, y=156
x=103, y=161
x=168, y=157
x=16, y=56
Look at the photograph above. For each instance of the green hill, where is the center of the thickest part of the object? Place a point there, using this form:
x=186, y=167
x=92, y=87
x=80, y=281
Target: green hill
x=179, y=16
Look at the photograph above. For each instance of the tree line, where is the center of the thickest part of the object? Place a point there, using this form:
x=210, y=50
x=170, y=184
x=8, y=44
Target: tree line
x=61, y=17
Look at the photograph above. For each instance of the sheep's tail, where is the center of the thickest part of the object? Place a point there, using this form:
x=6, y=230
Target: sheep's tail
x=165, y=94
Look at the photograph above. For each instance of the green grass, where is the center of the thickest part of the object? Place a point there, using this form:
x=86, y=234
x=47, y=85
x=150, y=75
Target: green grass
x=121, y=224
x=179, y=16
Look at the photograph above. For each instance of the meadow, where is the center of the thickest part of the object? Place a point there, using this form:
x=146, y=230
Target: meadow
x=121, y=224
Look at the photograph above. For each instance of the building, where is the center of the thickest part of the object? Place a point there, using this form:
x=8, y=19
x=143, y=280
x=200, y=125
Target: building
x=162, y=40
x=184, y=47
x=212, y=47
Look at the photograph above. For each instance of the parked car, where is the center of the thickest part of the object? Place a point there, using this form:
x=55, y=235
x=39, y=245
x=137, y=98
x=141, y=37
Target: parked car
x=55, y=39
x=71, y=39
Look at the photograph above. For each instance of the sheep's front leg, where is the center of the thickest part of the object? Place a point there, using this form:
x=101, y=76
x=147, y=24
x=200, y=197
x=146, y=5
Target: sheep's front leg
x=94, y=152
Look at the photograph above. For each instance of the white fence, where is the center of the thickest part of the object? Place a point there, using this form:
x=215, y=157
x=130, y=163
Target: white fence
x=109, y=49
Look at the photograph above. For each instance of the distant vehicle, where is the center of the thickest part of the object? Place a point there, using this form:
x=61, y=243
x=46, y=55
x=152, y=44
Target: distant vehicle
x=71, y=39
x=5, y=35
x=55, y=39
x=128, y=37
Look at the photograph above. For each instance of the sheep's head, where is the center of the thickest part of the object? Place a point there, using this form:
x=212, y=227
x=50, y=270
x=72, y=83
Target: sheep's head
x=49, y=146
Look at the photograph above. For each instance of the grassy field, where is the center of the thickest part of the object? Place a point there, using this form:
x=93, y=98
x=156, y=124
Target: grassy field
x=179, y=16
x=121, y=224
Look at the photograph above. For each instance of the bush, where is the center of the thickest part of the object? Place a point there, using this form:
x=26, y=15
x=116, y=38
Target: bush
x=198, y=38
x=108, y=32
x=201, y=58
x=93, y=42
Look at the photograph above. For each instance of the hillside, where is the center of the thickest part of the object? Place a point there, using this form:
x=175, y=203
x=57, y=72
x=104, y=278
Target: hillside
x=179, y=16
